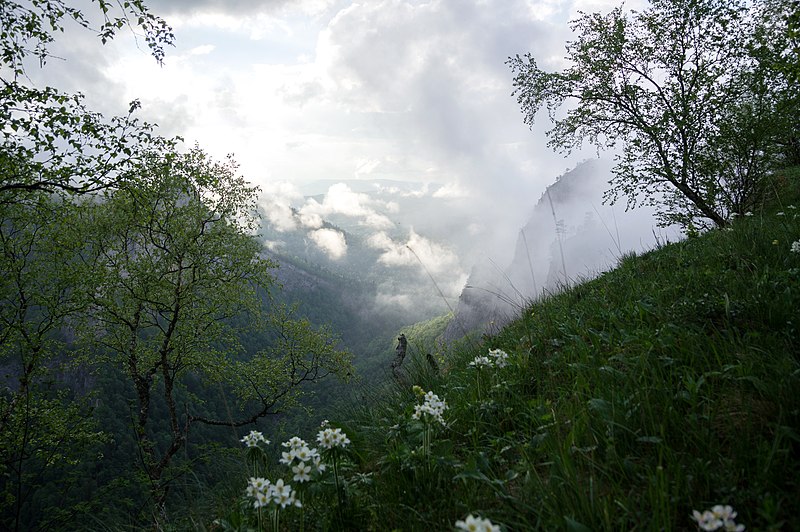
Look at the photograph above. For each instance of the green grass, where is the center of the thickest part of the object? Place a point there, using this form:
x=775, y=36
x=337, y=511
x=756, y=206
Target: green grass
x=668, y=385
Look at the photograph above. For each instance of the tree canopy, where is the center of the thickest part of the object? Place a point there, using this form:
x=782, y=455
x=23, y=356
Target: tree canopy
x=686, y=91
x=131, y=260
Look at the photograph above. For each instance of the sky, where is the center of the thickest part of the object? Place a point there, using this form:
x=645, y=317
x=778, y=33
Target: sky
x=308, y=94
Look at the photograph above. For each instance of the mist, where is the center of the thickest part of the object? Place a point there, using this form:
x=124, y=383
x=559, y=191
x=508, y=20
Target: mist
x=381, y=133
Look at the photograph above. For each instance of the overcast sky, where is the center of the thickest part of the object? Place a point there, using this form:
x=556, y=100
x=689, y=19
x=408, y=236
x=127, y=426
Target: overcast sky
x=305, y=90
x=323, y=89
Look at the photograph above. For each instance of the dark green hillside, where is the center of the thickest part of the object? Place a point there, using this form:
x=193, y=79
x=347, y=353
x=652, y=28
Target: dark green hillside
x=665, y=386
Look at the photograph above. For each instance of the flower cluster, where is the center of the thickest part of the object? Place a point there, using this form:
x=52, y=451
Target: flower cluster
x=254, y=438
x=265, y=492
x=497, y=358
x=475, y=524
x=481, y=361
x=718, y=518
x=330, y=438
x=432, y=406
x=796, y=247
x=300, y=457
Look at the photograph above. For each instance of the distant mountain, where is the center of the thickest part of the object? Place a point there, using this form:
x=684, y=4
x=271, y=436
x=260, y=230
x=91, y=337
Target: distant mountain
x=569, y=236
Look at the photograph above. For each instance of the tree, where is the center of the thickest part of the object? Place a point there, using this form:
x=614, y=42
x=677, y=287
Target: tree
x=177, y=262
x=43, y=426
x=48, y=139
x=51, y=146
x=678, y=89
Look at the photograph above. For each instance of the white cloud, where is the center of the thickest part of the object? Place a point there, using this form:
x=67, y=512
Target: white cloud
x=275, y=204
x=330, y=89
x=416, y=251
x=340, y=199
x=452, y=191
x=203, y=49
x=331, y=241
x=404, y=301
x=311, y=220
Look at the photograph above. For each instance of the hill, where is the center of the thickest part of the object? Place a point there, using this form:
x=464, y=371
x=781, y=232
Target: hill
x=666, y=386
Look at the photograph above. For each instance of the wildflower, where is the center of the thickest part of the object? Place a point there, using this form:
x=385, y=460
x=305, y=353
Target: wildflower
x=748, y=213
x=481, y=361
x=256, y=486
x=475, y=524
x=254, y=438
x=303, y=453
x=432, y=406
x=318, y=463
x=720, y=517
x=500, y=357
x=781, y=213
x=707, y=520
x=774, y=242
x=418, y=390
x=727, y=516
x=284, y=495
x=796, y=247
x=791, y=207
x=330, y=438
x=288, y=457
x=294, y=443
x=262, y=499
x=301, y=472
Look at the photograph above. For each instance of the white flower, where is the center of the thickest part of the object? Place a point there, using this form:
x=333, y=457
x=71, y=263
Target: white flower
x=433, y=407
x=791, y=207
x=283, y=495
x=707, y=520
x=475, y=524
x=301, y=472
x=724, y=512
x=303, y=453
x=262, y=499
x=294, y=443
x=254, y=438
x=748, y=213
x=500, y=357
x=318, y=463
x=795, y=247
x=288, y=457
x=256, y=486
x=330, y=438
x=720, y=517
x=727, y=516
x=480, y=361
x=781, y=213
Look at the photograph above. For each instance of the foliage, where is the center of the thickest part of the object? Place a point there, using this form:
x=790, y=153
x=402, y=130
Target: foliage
x=29, y=27
x=176, y=263
x=683, y=88
x=43, y=427
x=123, y=257
x=49, y=140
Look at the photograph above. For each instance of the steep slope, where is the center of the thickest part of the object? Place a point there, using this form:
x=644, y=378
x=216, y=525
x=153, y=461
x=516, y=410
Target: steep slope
x=569, y=236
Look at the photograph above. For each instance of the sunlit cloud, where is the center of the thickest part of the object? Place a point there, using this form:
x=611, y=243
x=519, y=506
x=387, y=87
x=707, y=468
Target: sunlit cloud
x=415, y=251
x=331, y=241
x=340, y=199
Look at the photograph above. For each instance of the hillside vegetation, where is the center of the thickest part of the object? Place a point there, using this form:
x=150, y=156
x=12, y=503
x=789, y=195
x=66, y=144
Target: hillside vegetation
x=668, y=385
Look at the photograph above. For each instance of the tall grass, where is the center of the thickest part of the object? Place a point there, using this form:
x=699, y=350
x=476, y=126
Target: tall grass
x=667, y=385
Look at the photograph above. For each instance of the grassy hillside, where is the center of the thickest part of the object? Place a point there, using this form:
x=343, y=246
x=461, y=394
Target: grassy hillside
x=668, y=385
